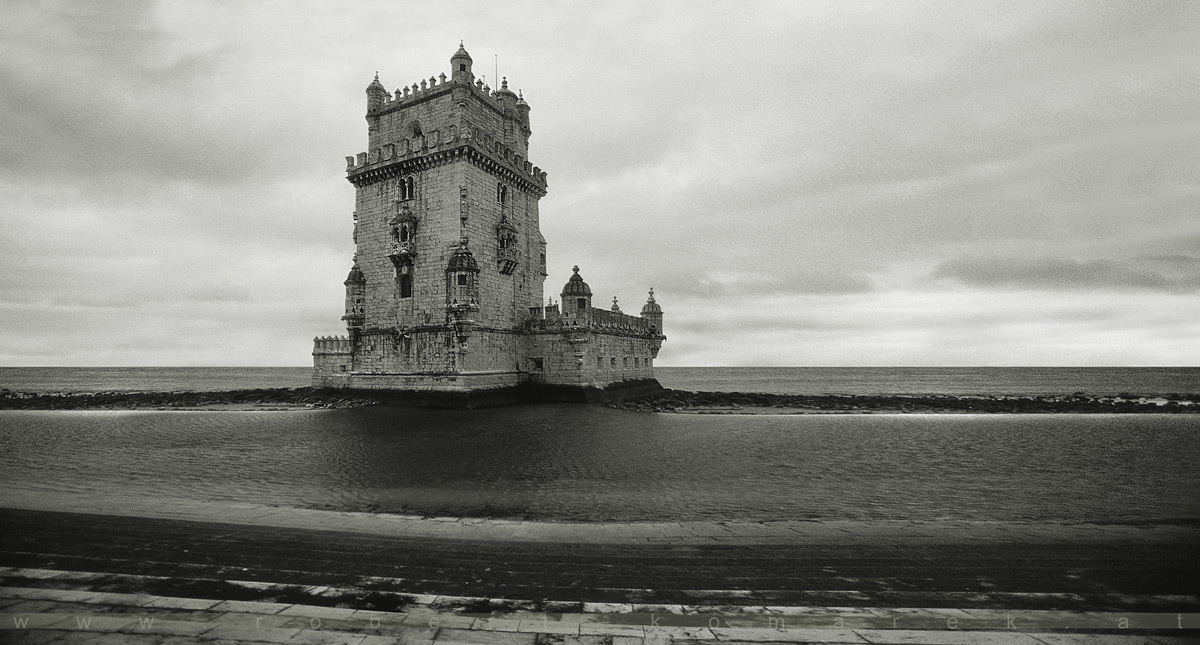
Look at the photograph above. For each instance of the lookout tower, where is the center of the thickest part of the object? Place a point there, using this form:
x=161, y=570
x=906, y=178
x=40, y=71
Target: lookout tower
x=446, y=289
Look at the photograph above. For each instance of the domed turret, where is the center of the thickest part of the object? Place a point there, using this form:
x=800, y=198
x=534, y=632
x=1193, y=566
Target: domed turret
x=460, y=66
x=356, y=286
x=505, y=95
x=576, y=295
x=653, y=312
x=462, y=272
x=376, y=94
x=651, y=306
x=523, y=109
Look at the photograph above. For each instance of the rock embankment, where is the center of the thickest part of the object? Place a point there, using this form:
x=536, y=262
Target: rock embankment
x=277, y=398
x=752, y=403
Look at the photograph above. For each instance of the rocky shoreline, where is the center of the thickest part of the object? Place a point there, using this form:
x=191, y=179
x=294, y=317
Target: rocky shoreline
x=673, y=401
x=682, y=401
x=257, y=399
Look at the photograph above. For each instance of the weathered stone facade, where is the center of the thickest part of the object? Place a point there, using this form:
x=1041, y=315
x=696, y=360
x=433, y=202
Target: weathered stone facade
x=445, y=293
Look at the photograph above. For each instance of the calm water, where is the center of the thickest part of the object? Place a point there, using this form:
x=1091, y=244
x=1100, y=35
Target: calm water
x=778, y=380
x=594, y=463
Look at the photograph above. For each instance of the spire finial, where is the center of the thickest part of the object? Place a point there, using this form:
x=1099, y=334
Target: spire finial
x=575, y=268
x=651, y=298
x=460, y=44
x=377, y=75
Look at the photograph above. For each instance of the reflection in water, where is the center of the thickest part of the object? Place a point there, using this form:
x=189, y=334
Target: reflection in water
x=583, y=462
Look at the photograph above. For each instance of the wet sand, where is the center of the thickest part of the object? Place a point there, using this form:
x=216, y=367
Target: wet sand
x=1148, y=567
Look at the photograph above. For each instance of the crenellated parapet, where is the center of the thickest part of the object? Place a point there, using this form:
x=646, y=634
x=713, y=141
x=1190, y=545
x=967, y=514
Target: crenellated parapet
x=619, y=321
x=332, y=345
x=438, y=147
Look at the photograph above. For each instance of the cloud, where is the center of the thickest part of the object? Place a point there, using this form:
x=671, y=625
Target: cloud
x=1171, y=274
x=767, y=168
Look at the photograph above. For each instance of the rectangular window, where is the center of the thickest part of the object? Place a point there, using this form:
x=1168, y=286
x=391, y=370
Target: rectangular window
x=599, y=362
x=462, y=279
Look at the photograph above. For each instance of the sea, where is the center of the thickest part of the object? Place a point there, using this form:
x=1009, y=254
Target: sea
x=575, y=462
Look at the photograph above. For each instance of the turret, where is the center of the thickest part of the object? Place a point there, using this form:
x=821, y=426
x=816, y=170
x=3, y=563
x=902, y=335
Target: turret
x=523, y=118
x=461, y=274
x=653, y=312
x=376, y=95
x=460, y=66
x=576, y=296
x=356, y=286
x=505, y=95
x=462, y=292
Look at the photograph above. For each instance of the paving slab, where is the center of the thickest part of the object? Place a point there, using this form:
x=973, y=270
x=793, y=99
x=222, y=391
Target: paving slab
x=192, y=604
x=788, y=635
x=312, y=611
x=319, y=637
x=265, y=634
x=471, y=637
x=945, y=637
x=249, y=607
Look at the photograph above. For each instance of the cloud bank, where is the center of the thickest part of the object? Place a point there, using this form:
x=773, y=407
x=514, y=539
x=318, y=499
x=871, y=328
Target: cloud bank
x=823, y=183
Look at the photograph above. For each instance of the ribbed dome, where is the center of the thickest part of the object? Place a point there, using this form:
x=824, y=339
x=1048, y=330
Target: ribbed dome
x=462, y=260
x=355, y=277
x=461, y=53
x=376, y=86
x=504, y=88
x=651, y=307
x=576, y=286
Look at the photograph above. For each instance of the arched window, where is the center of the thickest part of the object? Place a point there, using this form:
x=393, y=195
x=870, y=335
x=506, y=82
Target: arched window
x=407, y=188
x=502, y=193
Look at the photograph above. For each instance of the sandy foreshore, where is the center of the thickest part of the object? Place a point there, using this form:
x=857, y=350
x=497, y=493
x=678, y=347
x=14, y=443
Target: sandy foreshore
x=1077, y=566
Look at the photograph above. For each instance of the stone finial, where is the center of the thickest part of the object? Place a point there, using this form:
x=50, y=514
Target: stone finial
x=575, y=268
x=504, y=83
x=651, y=298
x=615, y=306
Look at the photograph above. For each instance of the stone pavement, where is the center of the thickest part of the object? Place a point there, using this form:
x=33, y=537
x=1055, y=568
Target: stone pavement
x=68, y=616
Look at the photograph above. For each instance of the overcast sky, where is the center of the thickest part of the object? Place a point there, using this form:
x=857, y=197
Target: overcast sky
x=959, y=182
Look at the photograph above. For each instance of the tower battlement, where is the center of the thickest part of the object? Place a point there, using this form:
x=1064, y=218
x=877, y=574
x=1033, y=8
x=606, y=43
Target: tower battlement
x=479, y=143
x=446, y=288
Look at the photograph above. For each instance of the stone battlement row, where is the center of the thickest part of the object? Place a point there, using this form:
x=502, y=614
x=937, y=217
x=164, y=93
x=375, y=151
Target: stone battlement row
x=332, y=345
x=435, y=140
x=549, y=318
x=419, y=91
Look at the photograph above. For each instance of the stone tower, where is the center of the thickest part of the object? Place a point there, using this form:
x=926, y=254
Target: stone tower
x=446, y=288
